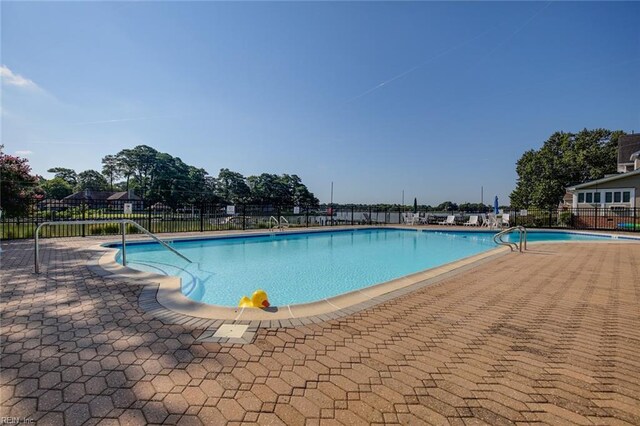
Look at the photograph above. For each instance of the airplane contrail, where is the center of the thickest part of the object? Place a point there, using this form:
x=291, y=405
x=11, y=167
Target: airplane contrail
x=514, y=33
x=412, y=69
x=451, y=49
x=119, y=120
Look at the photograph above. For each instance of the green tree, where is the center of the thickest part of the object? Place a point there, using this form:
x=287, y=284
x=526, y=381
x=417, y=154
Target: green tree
x=139, y=164
x=447, y=206
x=269, y=189
x=299, y=193
x=231, y=187
x=17, y=186
x=208, y=193
x=56, y=188
x=564, y=159
x=111, y=169
x=474, y=207
x=68, y=175
x=125, y=166
x=92, y=180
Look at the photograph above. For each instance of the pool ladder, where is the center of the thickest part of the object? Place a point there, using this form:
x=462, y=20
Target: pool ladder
x=522, y=242
x=279, y=224
x=123, y=230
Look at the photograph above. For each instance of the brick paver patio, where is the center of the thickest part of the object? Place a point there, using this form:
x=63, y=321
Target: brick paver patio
x=549, y=336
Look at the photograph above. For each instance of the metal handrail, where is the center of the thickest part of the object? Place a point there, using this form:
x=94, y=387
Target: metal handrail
x=271, y=220
x=122, y=222
x=286, y=222
x=523, y=238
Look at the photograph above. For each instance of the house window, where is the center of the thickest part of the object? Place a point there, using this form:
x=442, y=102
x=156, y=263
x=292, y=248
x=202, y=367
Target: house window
x=596, y=197
x=589, y=197
x=626, y=196
x=581, y=197
x=608, y=197
x=617, y=197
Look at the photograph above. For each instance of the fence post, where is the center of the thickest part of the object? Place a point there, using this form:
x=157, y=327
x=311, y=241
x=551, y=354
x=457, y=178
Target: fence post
x=84, y=210
x=149, y=217
x=307, y=216
x=370, y=218
x=550, y=213
x=201, y=216
x=244, y=216
x=351, y=215
x=635, y=227
x=595, y=221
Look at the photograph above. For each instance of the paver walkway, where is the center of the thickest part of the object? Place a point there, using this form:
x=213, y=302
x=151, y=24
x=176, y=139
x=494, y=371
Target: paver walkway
x=550, y=336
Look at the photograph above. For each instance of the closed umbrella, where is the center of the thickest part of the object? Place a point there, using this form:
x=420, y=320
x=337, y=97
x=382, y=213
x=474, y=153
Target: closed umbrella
x=495, y=205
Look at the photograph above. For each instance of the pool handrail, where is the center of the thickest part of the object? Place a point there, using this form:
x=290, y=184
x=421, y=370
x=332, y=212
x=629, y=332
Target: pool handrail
x=123, y=228
x=497, y=238
x=284, y=223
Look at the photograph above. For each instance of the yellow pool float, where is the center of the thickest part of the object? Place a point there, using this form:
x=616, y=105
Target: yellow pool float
x=258, y=299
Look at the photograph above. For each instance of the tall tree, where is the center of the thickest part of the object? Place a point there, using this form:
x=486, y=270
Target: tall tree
x=92, y=180
x=125, y=166
x=17, y=186
x=68, y=175
x=56, y=188
x=298, y=192
x=232, y=187
x=268, y=189
x=565, y=159
x=111, y=169
x=139, y=164
x=447, y=206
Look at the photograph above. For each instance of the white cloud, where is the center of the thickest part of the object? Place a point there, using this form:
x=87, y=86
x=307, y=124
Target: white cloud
x=11, y=79
x=24, y=152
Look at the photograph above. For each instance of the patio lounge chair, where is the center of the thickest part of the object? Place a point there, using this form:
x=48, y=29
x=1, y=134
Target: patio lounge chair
x=451, y=220
x=473, y=221
x=414, y=219
x=491, y=221
x=505, y=220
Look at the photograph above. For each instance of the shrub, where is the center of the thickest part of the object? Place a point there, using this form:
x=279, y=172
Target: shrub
x=565, y=218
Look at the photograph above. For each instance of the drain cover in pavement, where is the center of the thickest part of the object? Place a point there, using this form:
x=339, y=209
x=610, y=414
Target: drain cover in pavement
x=230, y=331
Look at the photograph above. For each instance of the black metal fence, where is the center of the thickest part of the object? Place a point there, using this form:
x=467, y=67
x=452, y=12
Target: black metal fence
x=158, y=218
x=596, y=218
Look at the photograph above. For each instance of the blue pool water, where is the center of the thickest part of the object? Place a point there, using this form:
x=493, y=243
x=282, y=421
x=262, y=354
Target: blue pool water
x=305, y=267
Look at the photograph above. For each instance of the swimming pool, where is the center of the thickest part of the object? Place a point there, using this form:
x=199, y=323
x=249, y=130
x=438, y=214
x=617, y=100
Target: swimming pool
x=308, y=266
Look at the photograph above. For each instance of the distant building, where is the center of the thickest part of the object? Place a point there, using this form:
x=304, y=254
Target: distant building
x=629, y=153
x=621, y=191
x=107, y=198
x=616, y=192
x=89, y=195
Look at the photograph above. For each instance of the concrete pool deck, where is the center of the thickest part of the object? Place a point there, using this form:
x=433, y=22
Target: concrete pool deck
x=551, y=336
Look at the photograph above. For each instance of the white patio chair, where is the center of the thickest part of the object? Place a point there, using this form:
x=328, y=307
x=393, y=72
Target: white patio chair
x=473, y=221
x=407, y=218
x=491, y=221
x=451, y=220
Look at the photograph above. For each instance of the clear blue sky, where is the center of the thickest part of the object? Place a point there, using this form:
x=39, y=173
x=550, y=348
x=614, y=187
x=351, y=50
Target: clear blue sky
x=435, y=99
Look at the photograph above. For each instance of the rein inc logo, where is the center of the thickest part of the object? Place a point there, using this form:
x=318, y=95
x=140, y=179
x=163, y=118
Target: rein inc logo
x=16, y=420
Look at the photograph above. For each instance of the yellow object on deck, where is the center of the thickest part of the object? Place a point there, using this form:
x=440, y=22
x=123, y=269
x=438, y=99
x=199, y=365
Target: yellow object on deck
x=259, y=299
